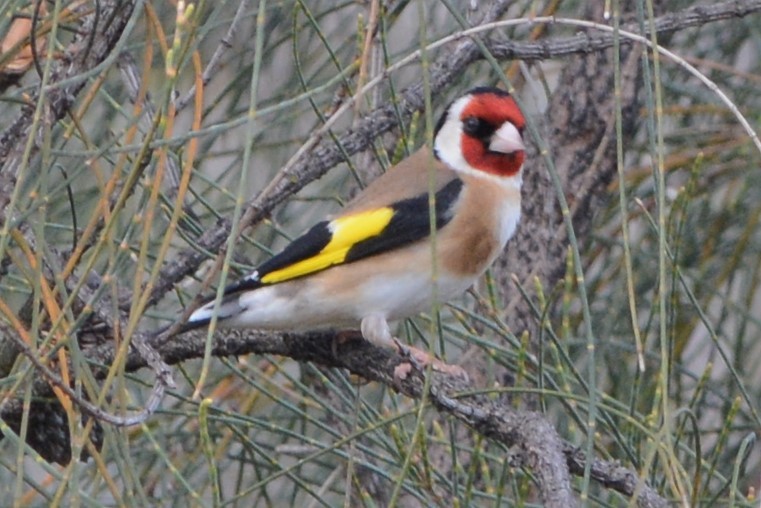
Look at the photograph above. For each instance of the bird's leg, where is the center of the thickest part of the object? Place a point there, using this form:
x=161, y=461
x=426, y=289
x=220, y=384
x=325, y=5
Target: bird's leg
x=376, y=331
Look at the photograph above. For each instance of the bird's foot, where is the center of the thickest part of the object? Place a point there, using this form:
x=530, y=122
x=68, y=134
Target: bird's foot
x=375, y=329
x=420, y=360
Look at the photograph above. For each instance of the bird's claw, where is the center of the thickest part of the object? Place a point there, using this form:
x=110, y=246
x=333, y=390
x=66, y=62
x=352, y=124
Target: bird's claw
x=419, y=360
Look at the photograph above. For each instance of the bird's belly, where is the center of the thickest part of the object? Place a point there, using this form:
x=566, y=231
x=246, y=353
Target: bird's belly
x=405, y=295
x=289, y=307
x=397, y=296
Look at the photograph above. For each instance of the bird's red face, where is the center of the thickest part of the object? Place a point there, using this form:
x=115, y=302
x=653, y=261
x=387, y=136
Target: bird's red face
x=482, y=132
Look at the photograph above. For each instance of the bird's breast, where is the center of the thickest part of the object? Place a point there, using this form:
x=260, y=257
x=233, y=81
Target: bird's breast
x=485, y=219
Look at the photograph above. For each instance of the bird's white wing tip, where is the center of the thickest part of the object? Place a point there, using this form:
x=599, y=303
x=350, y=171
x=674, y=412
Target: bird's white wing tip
x=227, y=309
x=202, y=313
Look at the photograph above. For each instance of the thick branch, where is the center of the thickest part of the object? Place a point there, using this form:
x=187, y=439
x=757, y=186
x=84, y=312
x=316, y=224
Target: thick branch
x=532, y=438
x=533, y=441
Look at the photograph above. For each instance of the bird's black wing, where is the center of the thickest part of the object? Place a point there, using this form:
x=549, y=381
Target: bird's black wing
x=355, y=236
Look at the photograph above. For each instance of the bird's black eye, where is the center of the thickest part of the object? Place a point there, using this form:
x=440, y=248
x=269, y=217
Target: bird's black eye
x=472, y=126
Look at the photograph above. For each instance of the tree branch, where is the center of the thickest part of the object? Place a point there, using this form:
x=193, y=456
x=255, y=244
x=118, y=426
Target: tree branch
x=594, y=42
x=533, y=441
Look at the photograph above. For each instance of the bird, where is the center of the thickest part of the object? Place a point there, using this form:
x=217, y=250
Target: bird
x=382, y=258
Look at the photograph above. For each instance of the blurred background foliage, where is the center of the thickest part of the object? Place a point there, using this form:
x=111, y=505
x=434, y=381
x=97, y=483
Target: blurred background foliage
x=266, y=431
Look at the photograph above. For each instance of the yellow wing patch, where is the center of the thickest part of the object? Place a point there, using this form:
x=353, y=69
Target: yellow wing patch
x=345, y=233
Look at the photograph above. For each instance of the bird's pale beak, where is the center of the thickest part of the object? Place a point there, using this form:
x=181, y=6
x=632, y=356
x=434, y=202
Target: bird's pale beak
x=507, y=139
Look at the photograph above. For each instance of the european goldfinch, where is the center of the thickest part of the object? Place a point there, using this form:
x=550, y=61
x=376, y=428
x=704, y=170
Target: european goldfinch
x=374, y=261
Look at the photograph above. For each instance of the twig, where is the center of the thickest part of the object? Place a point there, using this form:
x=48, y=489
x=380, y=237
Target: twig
x=82, y=56
x=225, y=44
x=148, y=354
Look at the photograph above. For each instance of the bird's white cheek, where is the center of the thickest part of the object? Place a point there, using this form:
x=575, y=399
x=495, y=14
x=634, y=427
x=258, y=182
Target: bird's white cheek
x=447, y=147
x=447, y=142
